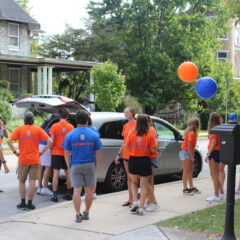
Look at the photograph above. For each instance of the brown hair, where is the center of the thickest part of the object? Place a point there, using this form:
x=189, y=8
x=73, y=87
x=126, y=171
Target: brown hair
x=214, y=120
x=63, y=113
x=142, y=125
x=193, y=125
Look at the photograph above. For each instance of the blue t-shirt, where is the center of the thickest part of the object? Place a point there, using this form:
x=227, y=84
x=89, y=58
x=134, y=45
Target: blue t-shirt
x=94, y=129
x=82, y=142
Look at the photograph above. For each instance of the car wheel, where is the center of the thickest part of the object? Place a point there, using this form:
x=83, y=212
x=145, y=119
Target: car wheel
x=197, y=165
x=116, y=179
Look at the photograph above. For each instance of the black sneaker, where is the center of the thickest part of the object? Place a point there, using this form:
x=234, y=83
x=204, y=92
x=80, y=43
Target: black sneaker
x=85, y=216
x=187, y=192
x=78, y=218
x=195, y=190
x=30, y=207
x=67, y=196
x=54, y=198
x=22, y=206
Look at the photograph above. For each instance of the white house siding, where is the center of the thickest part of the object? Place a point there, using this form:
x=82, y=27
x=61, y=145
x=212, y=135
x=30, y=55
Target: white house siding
x=24, y=40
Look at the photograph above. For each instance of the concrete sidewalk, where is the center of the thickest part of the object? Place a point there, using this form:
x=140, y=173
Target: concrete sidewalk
x=108, y=219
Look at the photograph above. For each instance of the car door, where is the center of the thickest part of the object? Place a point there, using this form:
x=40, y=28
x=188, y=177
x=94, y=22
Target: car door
x=50, y=103
x=168, y=148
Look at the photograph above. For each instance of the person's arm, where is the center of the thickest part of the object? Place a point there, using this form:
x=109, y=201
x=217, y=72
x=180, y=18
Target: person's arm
x=97, y=156
x=119, y=154
x=211, y=148
x=49, y=145
x=10, y=144
x=67, y=156
x=190, y=151
x=4, y=162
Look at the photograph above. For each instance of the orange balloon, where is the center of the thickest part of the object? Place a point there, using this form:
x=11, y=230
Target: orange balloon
x=187, y=72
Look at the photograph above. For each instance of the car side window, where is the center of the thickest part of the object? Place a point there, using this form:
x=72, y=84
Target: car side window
x=112, y=130
x=163, y=132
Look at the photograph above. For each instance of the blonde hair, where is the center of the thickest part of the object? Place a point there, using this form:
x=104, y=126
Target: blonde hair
x=214, y=120
x=132, y=111
x=193, y=125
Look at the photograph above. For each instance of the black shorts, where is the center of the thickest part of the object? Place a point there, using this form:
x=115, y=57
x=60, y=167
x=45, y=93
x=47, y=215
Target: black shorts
x=58, y=162
x=215, y=156
x=140, y=166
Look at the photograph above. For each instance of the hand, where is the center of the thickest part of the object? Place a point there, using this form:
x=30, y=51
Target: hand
x=40, y=153
x=206, y=159
x=17, y=153
x=117, y=160
x=6, y=169
x=192, y=159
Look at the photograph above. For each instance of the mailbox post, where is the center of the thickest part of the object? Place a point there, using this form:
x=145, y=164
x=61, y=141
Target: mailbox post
x=229, y=155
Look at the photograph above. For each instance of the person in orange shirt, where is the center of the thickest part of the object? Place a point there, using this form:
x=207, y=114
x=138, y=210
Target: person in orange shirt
x=151, y=204
x=28, y=137
x=186, y=156
x=124, y=153
x=213, y=158
x=141, y=143
x=3, y=133
x=58, y=131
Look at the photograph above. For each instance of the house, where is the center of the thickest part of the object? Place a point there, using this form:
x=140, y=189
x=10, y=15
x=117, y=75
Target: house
x=231, y=47
x=27, y=74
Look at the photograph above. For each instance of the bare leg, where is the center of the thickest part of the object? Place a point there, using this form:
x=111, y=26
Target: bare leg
x=46, y=176
x=22, y=190
x=130, y=194
x=41, y=169
x=135, y=182
x=214, y=171
x=222, y=174
x=151, y=195
x=185, y=166
x=144, y=190
x=89, y=198
x=55, y=179
x=31, y=189
x=190, y=173
x=68, y=179
x=77, y=200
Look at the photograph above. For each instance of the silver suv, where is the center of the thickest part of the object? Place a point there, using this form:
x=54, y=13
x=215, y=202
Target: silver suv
x=110, y=126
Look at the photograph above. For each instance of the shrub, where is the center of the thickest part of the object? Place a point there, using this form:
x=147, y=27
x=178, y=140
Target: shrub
x=5, y=111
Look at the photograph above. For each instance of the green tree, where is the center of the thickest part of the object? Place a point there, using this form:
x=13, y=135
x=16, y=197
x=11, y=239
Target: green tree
x=24, y=4
x=156, y=36
x=108, y=87
x=5, y=97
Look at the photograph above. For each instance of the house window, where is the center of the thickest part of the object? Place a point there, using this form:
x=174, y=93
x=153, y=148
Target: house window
x=13, y=36
x=222, y=55
x=238, y=36
x=14, y=78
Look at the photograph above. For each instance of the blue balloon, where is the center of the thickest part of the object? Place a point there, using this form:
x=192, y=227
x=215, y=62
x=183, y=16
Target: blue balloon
x=206, y=87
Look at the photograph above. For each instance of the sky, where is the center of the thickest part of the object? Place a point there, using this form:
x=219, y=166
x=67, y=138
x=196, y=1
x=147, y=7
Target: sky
x=54, y=14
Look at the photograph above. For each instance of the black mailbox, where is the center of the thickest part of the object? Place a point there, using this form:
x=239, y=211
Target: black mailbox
x=229, y=143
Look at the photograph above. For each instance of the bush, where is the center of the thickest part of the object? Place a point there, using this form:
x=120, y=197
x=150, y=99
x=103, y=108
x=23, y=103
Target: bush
x=5, y=111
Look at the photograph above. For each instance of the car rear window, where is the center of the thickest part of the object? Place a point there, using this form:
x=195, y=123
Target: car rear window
x=112, y=129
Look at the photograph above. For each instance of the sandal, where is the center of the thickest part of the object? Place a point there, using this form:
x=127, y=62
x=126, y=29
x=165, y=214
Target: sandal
x=126, y=204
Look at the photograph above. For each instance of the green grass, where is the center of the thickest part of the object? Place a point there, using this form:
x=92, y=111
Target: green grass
x=210, y=220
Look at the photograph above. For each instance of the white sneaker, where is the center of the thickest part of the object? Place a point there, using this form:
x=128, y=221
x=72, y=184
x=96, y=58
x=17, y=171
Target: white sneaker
x=94, y=196
x=146, y=205
x=237, y=191
x=46, y=192
x=222, y=196
x=213, y=199
x=135, y=206
x=39, y=190
x=152, y=207
x=83, y=197
x=139, y=211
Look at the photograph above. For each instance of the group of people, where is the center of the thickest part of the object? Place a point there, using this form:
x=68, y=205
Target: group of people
x=77, y=151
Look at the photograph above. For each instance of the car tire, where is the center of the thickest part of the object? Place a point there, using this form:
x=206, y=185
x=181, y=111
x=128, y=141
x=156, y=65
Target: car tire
x=116, y=179
x=197, y=165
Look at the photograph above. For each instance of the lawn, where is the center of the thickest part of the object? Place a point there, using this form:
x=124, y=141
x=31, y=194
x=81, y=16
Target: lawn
x=210, y=220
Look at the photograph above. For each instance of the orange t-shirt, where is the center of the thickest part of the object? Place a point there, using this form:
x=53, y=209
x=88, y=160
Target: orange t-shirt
x=29, y=137
x=152, y=130
x=126, y=129
x=217, y=137
x=59, y=130
x=140, y=146
x=191, y=137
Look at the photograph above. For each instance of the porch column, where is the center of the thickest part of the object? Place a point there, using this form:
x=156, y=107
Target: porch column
x=91, y=96
x=50, y=80
x=44, y=80
x=39, y=80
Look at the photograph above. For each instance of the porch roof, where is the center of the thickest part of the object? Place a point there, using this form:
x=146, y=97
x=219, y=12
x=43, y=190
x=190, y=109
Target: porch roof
x=57, y=64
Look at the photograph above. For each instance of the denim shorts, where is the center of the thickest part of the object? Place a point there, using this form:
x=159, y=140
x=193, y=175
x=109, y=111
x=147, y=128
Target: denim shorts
x=183, y=154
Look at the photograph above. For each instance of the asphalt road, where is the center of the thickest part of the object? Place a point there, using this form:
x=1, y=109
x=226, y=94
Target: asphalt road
x=10, y=198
